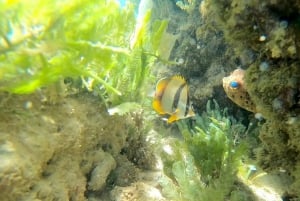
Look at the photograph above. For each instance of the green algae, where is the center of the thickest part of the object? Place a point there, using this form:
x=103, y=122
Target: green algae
x=277, y=82
x=97, y=45
x=204, y=164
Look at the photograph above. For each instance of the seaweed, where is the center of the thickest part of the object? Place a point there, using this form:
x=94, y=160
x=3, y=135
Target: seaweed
x=103, y=47
x=204, y=164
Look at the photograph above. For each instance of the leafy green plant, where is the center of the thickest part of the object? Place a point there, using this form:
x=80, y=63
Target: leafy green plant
x=46, y=41
x=204, y=164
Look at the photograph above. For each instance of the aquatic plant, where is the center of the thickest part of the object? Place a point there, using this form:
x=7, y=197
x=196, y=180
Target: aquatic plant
x=97, y=45
x=204, y=164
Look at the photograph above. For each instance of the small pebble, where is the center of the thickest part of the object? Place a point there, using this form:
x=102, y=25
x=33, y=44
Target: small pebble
x=284, y=24
x=264, y=66
x=259, y=116
x=277, y=104
x=262, y=38
x=28, y=105
x=292, y=120
x=180, y=61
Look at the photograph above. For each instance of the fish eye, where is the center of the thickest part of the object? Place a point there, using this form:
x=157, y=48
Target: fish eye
x=234, y=84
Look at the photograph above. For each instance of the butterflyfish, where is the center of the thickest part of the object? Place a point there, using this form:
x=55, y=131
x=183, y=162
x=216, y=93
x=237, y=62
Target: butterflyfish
x=235, y=88
x=172, y=98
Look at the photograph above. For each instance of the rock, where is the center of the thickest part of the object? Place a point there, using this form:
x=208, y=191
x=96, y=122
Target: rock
x=100, y=172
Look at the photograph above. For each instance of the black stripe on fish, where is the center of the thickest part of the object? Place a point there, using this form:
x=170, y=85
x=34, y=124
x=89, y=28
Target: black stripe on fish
x=187, y=107
x=163, y=91
x=177, y=96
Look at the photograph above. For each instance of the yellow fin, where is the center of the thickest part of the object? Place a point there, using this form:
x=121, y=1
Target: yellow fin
x=179, y=78
x=172, y=118
x=158, y=107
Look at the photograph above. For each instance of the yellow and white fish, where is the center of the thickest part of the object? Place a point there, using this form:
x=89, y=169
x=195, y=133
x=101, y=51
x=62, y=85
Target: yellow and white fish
x=172, y=98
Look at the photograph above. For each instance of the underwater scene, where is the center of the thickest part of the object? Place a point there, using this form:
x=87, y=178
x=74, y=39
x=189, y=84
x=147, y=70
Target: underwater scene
x=149, y=100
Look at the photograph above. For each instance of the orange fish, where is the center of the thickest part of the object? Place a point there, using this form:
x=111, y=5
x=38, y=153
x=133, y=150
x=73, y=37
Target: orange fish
x=235, y=89
x=172, y=98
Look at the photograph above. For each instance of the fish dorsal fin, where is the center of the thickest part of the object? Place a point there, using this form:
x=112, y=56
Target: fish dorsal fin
x=179, y=78
x=161, y=86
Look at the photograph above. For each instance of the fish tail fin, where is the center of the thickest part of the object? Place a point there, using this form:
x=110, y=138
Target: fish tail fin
x=191, y=113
